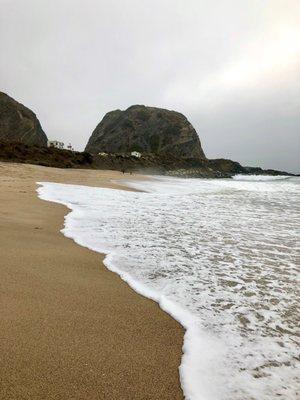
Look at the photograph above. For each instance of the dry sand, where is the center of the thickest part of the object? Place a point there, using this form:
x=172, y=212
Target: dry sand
x=69, y=328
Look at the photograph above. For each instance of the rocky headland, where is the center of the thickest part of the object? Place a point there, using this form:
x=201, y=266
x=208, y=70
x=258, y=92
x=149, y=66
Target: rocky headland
x=19, y=124
x=148, y=130
x=164, y=142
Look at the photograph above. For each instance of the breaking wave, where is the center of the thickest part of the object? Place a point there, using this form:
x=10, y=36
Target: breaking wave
x=221, y=257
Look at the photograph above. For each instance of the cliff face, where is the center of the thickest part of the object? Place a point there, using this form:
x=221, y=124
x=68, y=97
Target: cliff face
x=147, y=130
x=19, y=124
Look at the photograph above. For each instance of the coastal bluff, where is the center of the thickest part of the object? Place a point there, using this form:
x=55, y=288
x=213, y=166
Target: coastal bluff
x=149, y=130
x=141, y=139
x=19, y=124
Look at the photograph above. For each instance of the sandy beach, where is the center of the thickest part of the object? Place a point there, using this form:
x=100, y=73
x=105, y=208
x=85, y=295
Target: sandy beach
x=69, y=328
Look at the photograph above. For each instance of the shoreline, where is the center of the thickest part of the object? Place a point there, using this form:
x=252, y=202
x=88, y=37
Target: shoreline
x=195, y=341
x=72, y=328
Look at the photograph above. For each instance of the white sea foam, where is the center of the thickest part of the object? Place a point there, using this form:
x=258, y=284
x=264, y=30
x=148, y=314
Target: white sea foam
x=258, y=178
x=220, y=257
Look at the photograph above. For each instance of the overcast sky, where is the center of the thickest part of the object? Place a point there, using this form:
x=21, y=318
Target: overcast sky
x=231, y=66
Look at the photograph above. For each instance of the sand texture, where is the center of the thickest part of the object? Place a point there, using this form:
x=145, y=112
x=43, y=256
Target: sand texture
x=69, y=328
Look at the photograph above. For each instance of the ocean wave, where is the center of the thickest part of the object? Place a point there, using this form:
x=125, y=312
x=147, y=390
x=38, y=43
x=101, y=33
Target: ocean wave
x=260, y=178
x=220, y=257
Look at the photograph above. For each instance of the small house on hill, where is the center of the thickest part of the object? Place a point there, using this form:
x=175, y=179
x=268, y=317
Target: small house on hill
x=56, y=144
x=136, y=154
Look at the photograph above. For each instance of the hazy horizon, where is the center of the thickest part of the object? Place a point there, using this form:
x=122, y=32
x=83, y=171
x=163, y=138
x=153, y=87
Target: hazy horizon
x=231, y=67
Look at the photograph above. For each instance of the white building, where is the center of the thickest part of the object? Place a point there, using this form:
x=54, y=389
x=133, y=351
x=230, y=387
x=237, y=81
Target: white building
x=136, y=154
x=56, y=144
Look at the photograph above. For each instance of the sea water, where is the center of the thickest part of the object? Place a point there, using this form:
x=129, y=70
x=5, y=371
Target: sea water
x=220, y=256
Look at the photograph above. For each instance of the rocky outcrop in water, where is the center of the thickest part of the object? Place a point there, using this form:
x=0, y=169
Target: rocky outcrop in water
x=148, y=130
x=19, y=124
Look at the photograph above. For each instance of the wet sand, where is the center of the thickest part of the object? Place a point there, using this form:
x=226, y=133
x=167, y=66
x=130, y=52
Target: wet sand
x=69, y=328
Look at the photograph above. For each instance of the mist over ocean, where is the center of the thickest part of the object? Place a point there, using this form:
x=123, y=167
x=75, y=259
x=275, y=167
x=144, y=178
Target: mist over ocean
x=218, y=255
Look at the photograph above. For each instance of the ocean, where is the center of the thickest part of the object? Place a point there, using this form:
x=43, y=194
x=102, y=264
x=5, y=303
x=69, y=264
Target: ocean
x=220, y=256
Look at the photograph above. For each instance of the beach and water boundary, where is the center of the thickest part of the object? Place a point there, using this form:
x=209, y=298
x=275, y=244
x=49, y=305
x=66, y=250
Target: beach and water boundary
x=233, y=362
x=167, y=305
x=70, y=328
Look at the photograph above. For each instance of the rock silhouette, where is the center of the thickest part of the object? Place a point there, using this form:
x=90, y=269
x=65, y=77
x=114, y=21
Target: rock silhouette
x=19, y=124
x=148, y=130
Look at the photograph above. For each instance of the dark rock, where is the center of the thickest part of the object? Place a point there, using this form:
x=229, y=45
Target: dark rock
x=149, y=130
x=260, y=171
x=46, y=156
x=19, y=124
x=226, y=166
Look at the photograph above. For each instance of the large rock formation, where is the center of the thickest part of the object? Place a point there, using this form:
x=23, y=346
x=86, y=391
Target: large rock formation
x=19, y=124
x=147, y=130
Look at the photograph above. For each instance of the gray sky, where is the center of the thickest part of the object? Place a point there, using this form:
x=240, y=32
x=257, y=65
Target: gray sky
x=231, y=66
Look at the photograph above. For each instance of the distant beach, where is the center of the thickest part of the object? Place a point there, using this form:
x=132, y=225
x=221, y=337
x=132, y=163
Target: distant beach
x=71, y=329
